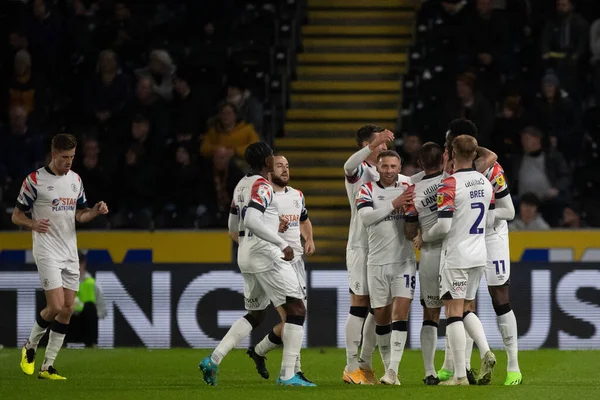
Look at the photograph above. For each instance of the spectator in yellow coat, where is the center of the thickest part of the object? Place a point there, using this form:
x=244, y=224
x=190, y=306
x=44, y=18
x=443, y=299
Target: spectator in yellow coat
x=228, y=132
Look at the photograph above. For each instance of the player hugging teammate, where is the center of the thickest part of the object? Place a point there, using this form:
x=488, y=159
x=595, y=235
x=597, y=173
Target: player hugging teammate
x=462, y=200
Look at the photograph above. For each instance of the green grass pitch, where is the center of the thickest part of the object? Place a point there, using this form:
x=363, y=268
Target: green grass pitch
x=173, y=374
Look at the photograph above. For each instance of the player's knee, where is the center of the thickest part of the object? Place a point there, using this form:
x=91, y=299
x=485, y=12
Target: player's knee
x=54, y=309
x=295, y=319
x=67, y=310
x=499, y=294
x=502, y=309
x=255, y=318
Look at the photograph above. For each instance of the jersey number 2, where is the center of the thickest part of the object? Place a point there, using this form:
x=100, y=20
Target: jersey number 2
x=475, y=229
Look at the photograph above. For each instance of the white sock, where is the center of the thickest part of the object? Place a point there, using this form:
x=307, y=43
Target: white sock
x=238, y=331
x=384, y=334
x=428, y=345
x=507, y=324
x=292, y=343
x=475, y=329
x=397, y=342
x=37, y=333
x=468, y=350
x=448, y=359
x=298, y=366
x=268, y=343
x=369, y=341
x=456, y=339
x=55, y=342
x=353, y=329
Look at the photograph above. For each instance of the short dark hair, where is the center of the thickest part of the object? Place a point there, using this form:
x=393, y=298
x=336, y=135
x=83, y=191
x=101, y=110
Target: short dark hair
x=388, y=153
x=430, y=156
x=64, y=142
x=457, y=127
x=365, y=133
x=465, y=147
x=256, y=155
x=530, y=199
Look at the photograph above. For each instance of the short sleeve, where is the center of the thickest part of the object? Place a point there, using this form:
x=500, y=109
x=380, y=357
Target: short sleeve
x=411, y=214
x=81, y=199
x=364, y=197
x=28, y=193
x=233, y=210
x=445, y=197
x=261, y=195
x=498, y=181
x=304, y=211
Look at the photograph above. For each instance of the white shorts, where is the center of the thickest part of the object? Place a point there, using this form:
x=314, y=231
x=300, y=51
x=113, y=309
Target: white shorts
x=356, y=262
x=275, y=285
x=55, y=274
x=460, y=283
x=497, y=269
x=429, y=275
x=391, y=280
x=298, y=266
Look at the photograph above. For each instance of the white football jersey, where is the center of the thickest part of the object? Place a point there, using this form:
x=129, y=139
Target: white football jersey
x=55, y=198
x=466, y=197
x=357, y=237
x=495, y=174
x=291, y=206
x=386, y=240
x=255, y=254
x=424, y=209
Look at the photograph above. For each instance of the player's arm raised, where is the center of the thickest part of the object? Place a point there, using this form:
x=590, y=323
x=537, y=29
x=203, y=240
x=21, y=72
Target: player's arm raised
x=306, y=230
x=352, y=165
x=445, y=202
x=485, y=159
x=505, y=209
x=25, y=201
x=261, y=197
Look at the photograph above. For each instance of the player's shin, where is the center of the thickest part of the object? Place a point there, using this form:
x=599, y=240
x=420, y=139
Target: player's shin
x=293, y=334
x=369, y=341
x=474, y=328
x=238, y=331
x=429, y=333
x=56, y=338
x=468, y=349
x=448, y=359
x=455, y=331
x=354, y=325
x=268, y=343
x=507, y=324
x=397, y=342
x=40, y=326
x=384, y=333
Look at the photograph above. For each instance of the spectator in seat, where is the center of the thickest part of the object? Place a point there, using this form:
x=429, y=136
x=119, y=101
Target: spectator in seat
x=17, y=40
x=554, y=113
x=228, y=132
x=409, y=150
x=221, y=179
x=147, y=103
x=506, y=140
x=141, y=133
x=45, y=33
x=123, y=33
x=95, y=172
x=192, y=108
x=88, y=309
x=473, y=105
x=250, y=109
x=137, y=186
x=25, y=89
x=108, y=94
x=564, y=43
x=181, y=201
x=544, y=172
x=529, y=218
x=162, y=69
x=571, y=218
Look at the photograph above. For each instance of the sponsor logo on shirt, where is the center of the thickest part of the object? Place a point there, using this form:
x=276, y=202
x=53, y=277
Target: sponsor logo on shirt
x=50, y=188
x=64, y=204
x=293, y=220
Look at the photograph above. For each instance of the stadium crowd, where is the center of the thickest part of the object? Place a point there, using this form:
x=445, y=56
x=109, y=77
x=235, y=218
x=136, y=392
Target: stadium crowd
x=526, y=72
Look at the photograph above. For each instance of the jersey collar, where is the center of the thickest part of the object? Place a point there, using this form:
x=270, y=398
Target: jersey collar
x=383, y=187
x=464, y=170
x=432, y=175
x=48, y=170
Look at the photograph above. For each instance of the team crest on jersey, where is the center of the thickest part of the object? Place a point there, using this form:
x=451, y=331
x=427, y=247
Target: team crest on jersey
x=440, y=199
x=500, y=180
x=74, y=187
x=46, y=282
x=297, y=203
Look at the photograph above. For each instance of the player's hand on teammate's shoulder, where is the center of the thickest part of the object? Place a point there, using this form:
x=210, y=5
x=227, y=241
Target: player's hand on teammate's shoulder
x=283, y=225
x=404, y=199
x=309, y=248
x=100, y=208
x=418, y=241
x=40, y=225
x=288, y=254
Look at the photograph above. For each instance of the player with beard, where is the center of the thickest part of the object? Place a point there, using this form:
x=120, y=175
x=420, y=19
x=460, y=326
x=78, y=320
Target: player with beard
x=294, y=226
